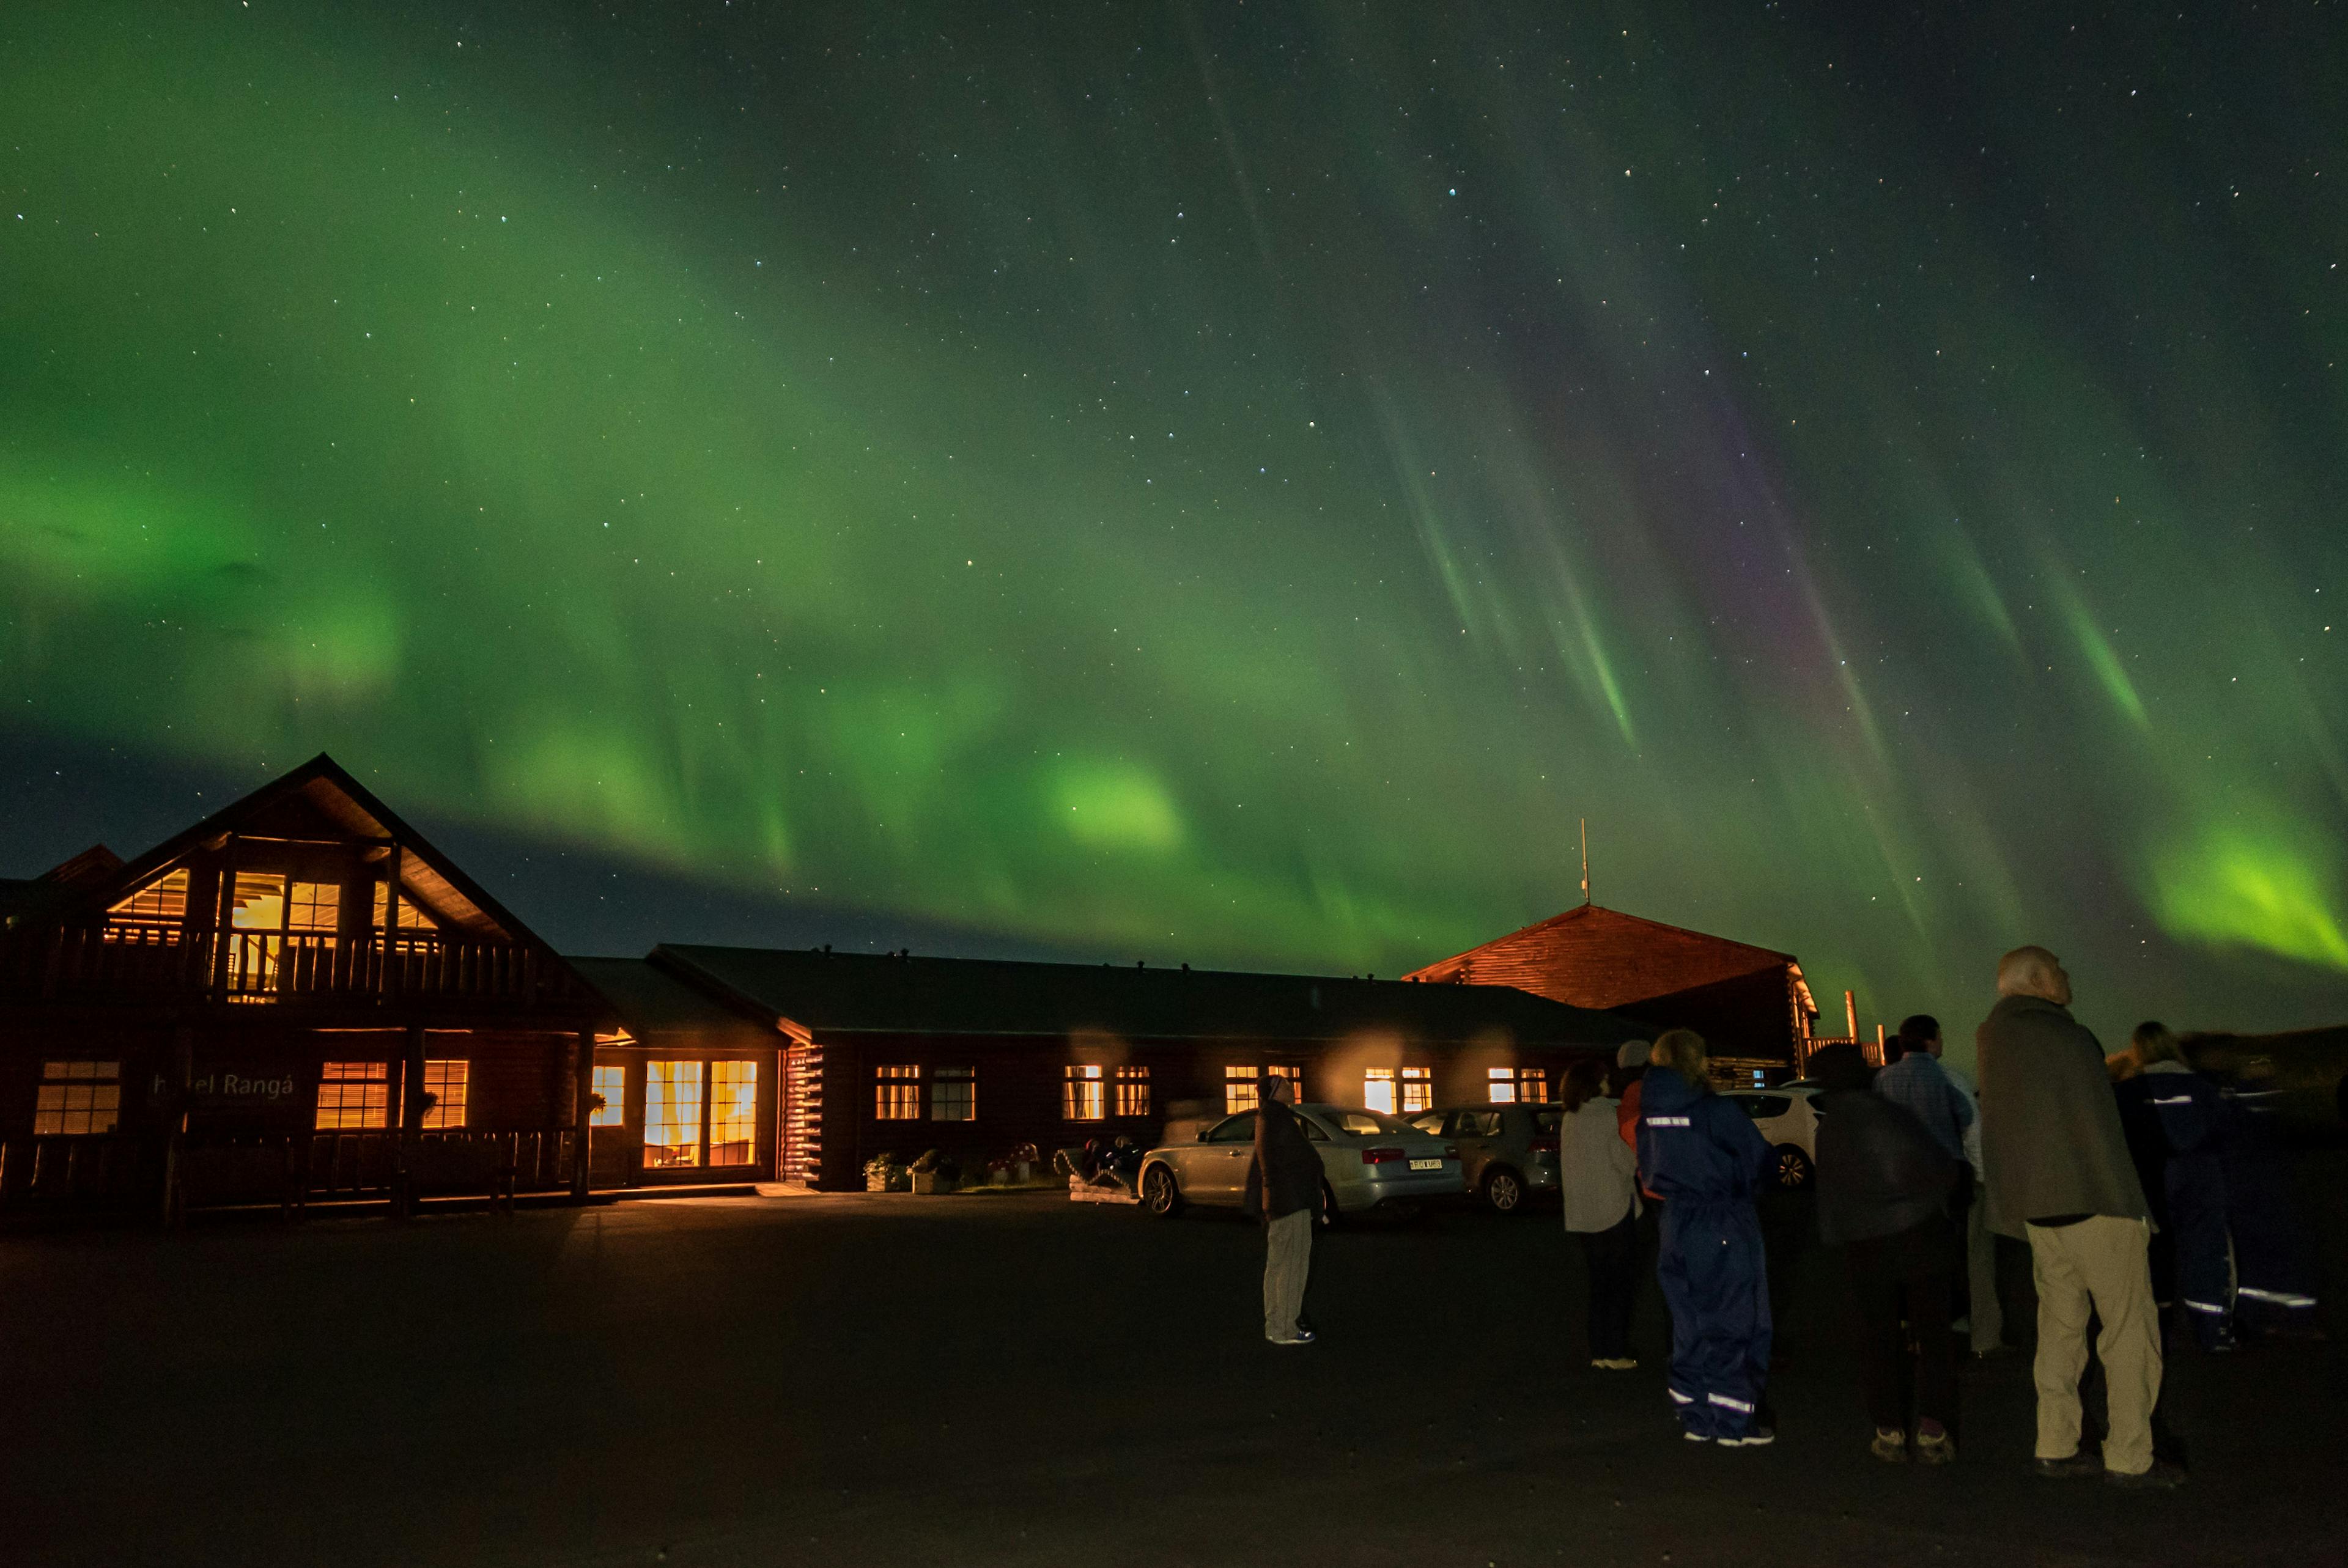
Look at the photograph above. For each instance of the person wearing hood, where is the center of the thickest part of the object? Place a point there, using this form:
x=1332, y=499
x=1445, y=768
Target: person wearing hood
x=1705, y=1158
x=1886, y=1188
x=2192, y=1117
x=2060, y=1174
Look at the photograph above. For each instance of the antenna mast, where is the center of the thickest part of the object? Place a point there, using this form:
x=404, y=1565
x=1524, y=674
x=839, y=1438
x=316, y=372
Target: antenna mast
x=1585, y=861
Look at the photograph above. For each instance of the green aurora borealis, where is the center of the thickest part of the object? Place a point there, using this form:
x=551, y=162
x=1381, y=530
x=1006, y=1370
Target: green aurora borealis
x=1228, y=485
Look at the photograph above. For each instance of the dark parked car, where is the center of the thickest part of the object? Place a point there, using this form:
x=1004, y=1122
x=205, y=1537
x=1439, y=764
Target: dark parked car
x=1508, y=1152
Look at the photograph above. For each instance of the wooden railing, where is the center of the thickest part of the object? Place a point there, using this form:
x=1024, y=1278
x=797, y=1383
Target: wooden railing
x=121, y=1170
x=251, y=966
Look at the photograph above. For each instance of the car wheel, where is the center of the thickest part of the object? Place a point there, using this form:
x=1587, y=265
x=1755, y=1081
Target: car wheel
x=1327, y=1218
x=1504, y=1190
x=1792, y=1166
x=1159, y=1195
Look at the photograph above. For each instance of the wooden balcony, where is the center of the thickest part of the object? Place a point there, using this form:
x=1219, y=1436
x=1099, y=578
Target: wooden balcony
x=162, y=963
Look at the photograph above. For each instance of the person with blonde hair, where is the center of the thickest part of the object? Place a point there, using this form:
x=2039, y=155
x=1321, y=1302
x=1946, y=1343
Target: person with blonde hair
x=2060, y=1176
x=1705, y=1158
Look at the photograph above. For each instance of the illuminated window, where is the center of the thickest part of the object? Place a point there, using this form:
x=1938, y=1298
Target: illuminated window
x=162, y=902
x=733, y=1112
x=1295, y=1076
x=1133, y=1091
x=672, y=1114
x=954, y=1095
x=1517, y=1086
x=1417, y=1090
x=897, y=1094
x=446, y=1081
x=77, y=1097
x=1533, y=1087
x=411, y=919
x=258, y=902
x=1379, y=1089
x=1503, y=1085
x=612, y=1083
x=316, y=906
x=354, y=1094
x=1240, y=1089
x=1083, y=1096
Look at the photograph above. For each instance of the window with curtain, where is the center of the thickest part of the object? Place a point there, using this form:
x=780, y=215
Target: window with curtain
x=1241, y=1089
x=733, y=1112
x=672, y=1114
x=1082, y=1096
x=897, y=1092
x=1418, y=1090
x=1295, y=1077
x=353, y=1095
x=1379, y=1089
x=1133, y=1091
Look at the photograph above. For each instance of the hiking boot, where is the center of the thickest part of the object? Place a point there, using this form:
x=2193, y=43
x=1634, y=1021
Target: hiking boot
x=1934, y=1446
x=1891, y=1445
x=2082, y=1463
x=2162, y=1477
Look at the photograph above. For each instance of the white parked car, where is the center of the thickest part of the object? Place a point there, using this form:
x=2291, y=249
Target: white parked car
x=1786, y=1117
x=1368, y=1159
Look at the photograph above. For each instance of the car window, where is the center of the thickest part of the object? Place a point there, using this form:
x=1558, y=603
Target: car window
x=1312, y=1130
x=1238, y=1128
x=1361, y=1123
x=1761, y=1107
x=1546, y=1121
x=1477, y=1124
x=1430, y=1123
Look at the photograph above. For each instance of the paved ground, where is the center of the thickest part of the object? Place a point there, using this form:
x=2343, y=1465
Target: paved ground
x=981, y=1380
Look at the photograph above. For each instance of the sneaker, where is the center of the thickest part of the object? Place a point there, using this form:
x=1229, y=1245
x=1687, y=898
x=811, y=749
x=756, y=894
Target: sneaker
x=1758, y=1437
x=1303, y=1337
x=1691, y=1435
x=1615, y=1364
x=2162, y=1477
x=2082, y=1463
x=1891, y=1445
x=1934, y=1447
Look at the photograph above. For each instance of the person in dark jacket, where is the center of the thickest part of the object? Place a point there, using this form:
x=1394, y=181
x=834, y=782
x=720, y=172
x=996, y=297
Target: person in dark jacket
x=2192, y=1116
x=1886, y=1192
x=1283, y=1189
x=1705, y=1158
x=2274, y=1277
x=2148, y=1148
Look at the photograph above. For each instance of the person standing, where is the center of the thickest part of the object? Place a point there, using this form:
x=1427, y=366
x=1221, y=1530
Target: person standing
x=1983, y=1322
x=1884, y=1186
x=1602, y=1211
x=1703, y=1157
x=1915, y=1080
x=2191, y=1117
x=1283, y=1189
x=2059, y=1169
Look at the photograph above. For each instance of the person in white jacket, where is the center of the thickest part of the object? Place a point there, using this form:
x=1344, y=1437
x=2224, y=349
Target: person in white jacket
x=1596, y=1170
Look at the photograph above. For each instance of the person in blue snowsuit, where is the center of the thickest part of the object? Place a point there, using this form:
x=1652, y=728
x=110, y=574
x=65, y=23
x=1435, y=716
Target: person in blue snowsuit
x=1705, y=1158
x=2193, y=1117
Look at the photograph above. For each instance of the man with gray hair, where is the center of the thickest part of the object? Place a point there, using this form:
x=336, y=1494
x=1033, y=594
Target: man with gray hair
x=2059, y=1175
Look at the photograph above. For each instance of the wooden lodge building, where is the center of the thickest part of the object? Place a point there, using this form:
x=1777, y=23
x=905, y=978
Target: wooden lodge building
x=300, y=1000
x=1751, y=1004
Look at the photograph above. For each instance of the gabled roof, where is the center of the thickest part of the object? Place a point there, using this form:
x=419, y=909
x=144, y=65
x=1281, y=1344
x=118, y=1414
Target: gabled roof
x=817, y=993
x=1591, y=955
x=659, y=1009
x=321, y=789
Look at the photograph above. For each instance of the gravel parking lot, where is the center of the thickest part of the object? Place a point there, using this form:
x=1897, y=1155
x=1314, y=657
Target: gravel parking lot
x=1012, y=1379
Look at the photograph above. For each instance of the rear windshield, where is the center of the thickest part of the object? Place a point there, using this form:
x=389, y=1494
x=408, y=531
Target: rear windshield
x=1367, y=1123
x=1548, y=1121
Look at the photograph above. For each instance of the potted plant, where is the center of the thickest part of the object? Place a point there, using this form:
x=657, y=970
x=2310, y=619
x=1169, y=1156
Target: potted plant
x=882, y=1173
x=933, y=1172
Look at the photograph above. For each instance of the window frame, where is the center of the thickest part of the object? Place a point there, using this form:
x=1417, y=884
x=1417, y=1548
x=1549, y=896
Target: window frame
x=437, y=1118
x=954, y=1095
x=1084, y=1091
x=1134, y=1095
x=372, y=1109
x=94, y=1085
x=897, y=1091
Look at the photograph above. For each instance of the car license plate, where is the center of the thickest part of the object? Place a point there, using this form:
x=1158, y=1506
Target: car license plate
x=1427, y=1165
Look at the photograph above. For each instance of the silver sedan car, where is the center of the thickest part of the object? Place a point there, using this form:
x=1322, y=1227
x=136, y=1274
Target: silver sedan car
x=1368, y=1160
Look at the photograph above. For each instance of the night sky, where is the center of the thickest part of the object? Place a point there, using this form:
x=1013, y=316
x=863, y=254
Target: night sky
x=1212, y=483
